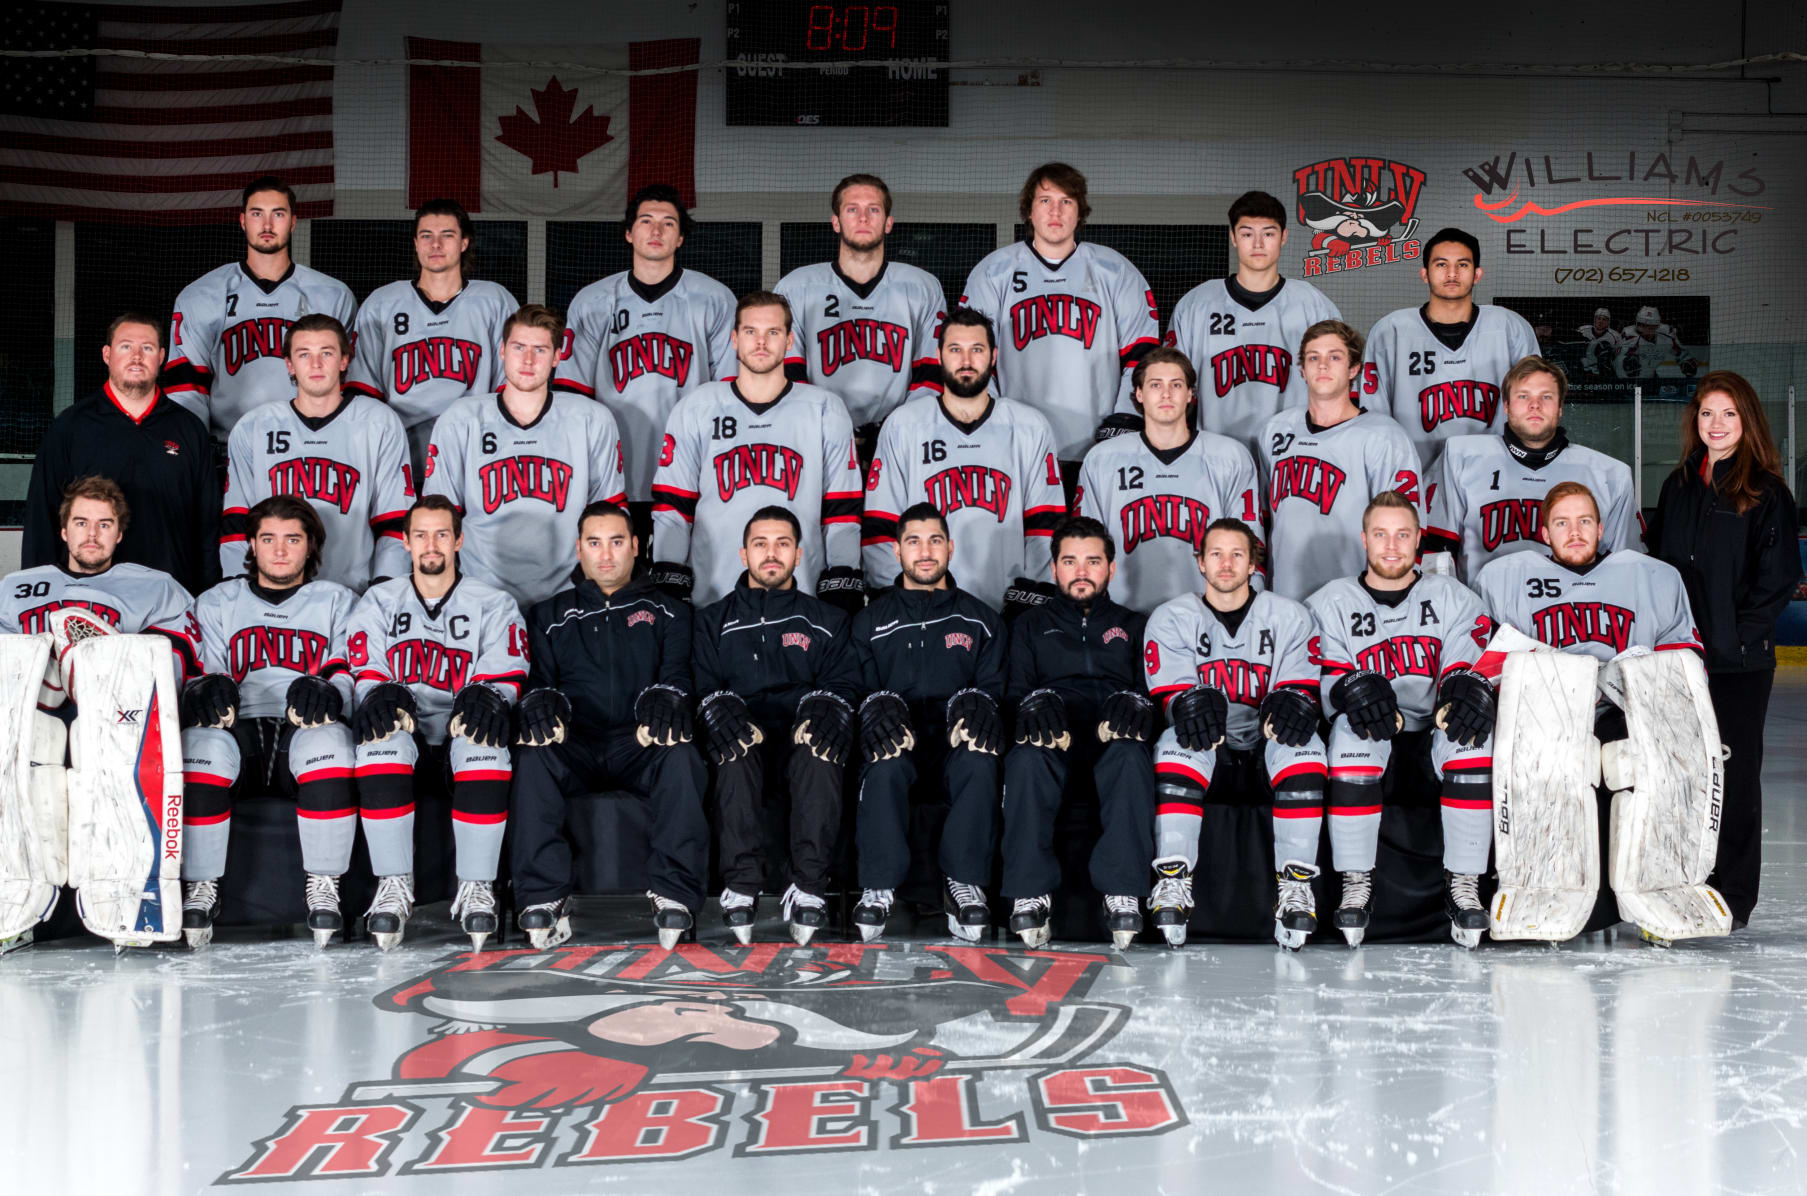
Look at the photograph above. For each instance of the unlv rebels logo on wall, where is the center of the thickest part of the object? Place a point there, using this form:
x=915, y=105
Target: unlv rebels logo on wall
x=592, y=1055
x=1360, y=211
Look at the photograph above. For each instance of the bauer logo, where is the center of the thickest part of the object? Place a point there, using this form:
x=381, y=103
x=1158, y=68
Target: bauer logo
x=595, y=1056
x=1361, y=213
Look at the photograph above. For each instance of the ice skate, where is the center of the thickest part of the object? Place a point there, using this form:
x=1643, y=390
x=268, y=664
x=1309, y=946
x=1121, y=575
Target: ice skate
x=387, y=916
x=806, y=913
x=1352, y=913
x=475, y=909
x=17, y=942
x=200, y=906
x=1123, y=917
x=670, y=918
x=1296, y=909
x=1029, y=920
x=546, y=924
x=1170, y=905
x=739, y=911
x=968, y=914
x=1462, y=900
x=323, y=917
x=873, y=911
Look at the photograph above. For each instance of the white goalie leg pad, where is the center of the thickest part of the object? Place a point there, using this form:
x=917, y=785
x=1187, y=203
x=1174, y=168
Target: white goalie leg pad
x=1668, y=778
x=125, y=790
x=1546, y=762
x=32, y=808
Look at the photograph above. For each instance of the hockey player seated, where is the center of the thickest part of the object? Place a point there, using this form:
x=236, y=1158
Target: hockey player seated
x=932, y=666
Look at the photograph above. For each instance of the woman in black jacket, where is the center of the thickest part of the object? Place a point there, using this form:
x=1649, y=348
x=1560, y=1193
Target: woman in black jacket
x=1727, y=521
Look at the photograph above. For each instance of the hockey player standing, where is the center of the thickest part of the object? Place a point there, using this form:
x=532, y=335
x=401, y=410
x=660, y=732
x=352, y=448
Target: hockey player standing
x=1241, y=331
x=610, y=707
x=987, y=464
x=522, y=465
x=778, y=679
x=932, y=663
x=269, y=714
x=1321, y=463
x=1076, y=685
x=228, y=335
x=437, y=661
x=1486, y=492
x=424, y=343
x=1649, y=345
x=1436, y=368
x=735, y=447
x=866, y=325
x=347, y=455
x=1157, y=491
x=1603, y=342
x=1398, y=651
x=1074, y=317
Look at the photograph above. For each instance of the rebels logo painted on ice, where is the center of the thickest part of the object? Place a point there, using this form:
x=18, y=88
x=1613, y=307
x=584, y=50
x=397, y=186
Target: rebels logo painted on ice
x=321, y=479
x=650, y=353
x=747, y=465
x=862, y=340
x=434, y=357
x=1054, y=315
x=510, y=479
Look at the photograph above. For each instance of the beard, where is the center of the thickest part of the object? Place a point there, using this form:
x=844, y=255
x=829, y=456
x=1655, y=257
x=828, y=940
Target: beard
x=279, y=581
x=280, y=246
x=91, y=557
x=966, y=390
x=431, y=566
x=1226, y=587
x=872, y=242
x=1573, y=556
x=936, y=571
x=1394, y=574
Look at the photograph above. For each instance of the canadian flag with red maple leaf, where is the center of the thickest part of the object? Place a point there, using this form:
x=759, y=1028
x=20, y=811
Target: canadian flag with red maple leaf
x=549, y=130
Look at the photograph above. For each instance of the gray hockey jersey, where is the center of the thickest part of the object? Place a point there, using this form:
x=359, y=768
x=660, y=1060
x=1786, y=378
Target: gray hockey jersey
x=352, y=467
x=638, y=349
x=225, y=339
x=1623, y=600
x=996, y=481
x=874, y=343
x=418, y=356
x=1435, y=392
x=1157, y=505
x=264, y=645
x=131, y=599
x=1436, y=626
x=472, y=636
x=1316, y=484
x=1244, y=356
x=724, y=458
x=1491, y=502
x=523, y=488
x=1187, y=644
x=1661, y=355
x=1068, y=333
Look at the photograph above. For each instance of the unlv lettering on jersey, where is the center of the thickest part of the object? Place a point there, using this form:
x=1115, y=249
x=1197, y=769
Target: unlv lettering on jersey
x=1510, y=519
x=430, y=663
x=969, y=486
x=1317, y=482
x=1250, y=363
x=33, y=621
x=1160, y=515
x=292, y=648
x=1054, y=315
x=319, y=478
x=1402, y=656
x=861, y=340
x=1464, y=399
x=249, y=340
x=1584, y=623
x=1242, y=681
x=650, y=353
x=758, y=465
x=508, y=479
x=435, y=357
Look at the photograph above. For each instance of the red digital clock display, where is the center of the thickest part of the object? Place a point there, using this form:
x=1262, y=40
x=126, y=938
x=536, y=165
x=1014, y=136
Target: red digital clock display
x=851, y=28
x=790, y=62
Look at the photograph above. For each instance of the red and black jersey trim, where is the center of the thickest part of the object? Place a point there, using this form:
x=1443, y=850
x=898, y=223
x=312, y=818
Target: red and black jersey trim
x=232, y=525
x=365, y=389
x=183, y=375
x=516, y=679
x=841, y=508
x=796, y=369
x=184, y=649
x=877, y=527
x=389, y=523
x=1136, y=350
x=573, y=386
x=1041, y=521
x=670, y=498
x=926, y=373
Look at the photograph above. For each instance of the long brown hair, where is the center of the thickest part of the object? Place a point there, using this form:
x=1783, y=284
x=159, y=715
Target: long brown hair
x=1755, y=455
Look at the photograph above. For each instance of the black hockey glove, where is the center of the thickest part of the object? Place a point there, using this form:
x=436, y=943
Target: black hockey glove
x=1289, y=716
x=1466, y=707
x=973, y=722
x=825, y=726
x=1022, y=594
x=1041, y=721
x=1201, y=717
x=1126, y=715
x=663, y=712
x=545, y=714
x=728, y=727
x=385, y=710
x=885, y=727
x=210, y=700
x=1367, y=699
x=1122, y=423
x=480, y=714
x=313, y=702
x=672, y=578
x=844, y=587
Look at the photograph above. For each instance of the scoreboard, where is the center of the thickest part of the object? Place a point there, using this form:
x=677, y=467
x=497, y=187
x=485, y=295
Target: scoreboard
x=909, y=90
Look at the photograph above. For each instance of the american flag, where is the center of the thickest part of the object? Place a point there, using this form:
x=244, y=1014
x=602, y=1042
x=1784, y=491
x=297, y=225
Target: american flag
x=164, y=141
